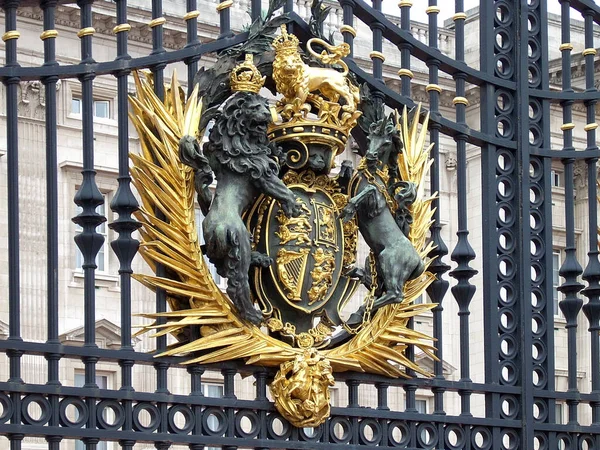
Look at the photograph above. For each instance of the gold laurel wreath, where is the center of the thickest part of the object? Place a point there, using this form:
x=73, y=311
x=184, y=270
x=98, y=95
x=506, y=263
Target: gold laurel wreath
x=169, y=238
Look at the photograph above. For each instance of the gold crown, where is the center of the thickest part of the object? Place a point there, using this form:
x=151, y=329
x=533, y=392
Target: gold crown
x=246, y=77
x=285, y=43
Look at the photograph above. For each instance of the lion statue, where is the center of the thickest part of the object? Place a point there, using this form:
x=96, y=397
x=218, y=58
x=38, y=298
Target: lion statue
x=245, y=166
x=299, y=82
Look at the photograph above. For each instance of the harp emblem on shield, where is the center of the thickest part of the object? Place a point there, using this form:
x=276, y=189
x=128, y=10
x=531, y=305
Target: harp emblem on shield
x=291, y=266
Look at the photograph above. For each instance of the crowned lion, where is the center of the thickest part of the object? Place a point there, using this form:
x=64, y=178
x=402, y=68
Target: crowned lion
x=299, y=83
x=239, y=155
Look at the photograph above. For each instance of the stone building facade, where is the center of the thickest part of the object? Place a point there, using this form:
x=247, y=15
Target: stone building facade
x=32, y=195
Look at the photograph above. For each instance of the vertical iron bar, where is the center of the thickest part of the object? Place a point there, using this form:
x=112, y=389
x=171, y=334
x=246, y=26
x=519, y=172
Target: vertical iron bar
x=223, y=8
x=88, y=197
x=229, y=392
x=255, y=9
x=10, y=37
x=353, y=402
x=437, y=290
x=347, y=29
x=540, y=302
x=48, y=36
x=124, y=204
x=161, y=367
x=196, y=372
x=376, y=55
x=591, y=273
x=522, y=250
x=570, y=269
x=463, y=253
x=261, y=396
x=489, y=160
x=191, y=20
x=405, y=73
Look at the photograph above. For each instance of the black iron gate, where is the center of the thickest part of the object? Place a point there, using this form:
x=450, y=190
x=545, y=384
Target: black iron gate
x=516, y=406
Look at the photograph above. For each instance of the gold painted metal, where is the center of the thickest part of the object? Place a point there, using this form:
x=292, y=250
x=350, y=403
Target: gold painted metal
x=321, y=275
x=590, y=126
x=88, y=31
x=291, y=266
x=224, y=5
x=432, y=9
x=377, y=55
x=294, y=228
x=191, y=15
x=48, y=34
x=589, y=51
x=122, y=27
x=406, y=73
x=157, y=22
x=405, y=4
x=314, y=90
x=348, y=29
x=433, y=87
x=246, y=77
x=459, y=16
x=169, y=238
x=567, y=126
x=14, y=34
x=565, y=46
x=460, y=101
x=300, y=389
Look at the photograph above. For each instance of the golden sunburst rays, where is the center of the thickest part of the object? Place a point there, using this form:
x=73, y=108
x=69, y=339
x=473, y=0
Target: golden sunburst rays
x=380, y=346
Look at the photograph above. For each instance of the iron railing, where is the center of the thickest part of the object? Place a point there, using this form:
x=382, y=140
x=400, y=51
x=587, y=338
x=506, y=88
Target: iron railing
x=515, y=261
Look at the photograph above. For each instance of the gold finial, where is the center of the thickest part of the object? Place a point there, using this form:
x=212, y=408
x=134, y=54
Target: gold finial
x=246, y=77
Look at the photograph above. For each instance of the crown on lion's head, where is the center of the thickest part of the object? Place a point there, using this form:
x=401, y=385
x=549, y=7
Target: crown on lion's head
x=285, y=43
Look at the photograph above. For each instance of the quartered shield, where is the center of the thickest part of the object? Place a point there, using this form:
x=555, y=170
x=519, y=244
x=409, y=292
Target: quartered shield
x=305, y=279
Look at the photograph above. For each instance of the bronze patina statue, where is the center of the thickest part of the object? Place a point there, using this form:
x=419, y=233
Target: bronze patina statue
x=382, y=205
x=239, y=154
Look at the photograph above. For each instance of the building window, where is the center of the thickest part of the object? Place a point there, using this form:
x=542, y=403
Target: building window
x=560, y=413
x=102, y=256
x=101, y=108
x=556, y=294
x=421, y=406
x=419, y=300
x=219, y=281
x=76, y=106
x=213, y=391
x=102, y=382
x=555, y=178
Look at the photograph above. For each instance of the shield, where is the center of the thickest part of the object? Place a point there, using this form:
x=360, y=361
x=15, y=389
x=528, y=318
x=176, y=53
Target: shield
x=306, y=278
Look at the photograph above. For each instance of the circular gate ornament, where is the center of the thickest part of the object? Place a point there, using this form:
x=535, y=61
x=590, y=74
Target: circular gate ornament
x=280, y=227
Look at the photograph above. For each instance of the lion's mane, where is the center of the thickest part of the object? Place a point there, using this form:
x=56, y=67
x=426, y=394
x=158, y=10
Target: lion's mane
x=238, y=141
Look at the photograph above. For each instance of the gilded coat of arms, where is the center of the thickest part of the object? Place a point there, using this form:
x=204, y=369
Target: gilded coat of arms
x=281, y=223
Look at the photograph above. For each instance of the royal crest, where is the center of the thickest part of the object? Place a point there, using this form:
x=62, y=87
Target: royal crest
x=308, y=277
x=280, y=225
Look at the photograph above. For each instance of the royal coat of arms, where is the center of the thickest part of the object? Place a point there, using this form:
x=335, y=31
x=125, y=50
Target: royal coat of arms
x=282, y=223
